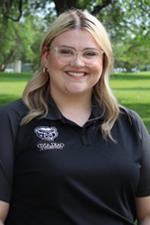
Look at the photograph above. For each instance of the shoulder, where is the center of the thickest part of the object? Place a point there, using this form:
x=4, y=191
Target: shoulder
x=10, y=118
x=133, y=120
x=17, y=107
x=129, y=114
x=13, y=111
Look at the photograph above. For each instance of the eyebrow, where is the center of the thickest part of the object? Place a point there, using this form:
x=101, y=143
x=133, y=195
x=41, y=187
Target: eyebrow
x=87, y=48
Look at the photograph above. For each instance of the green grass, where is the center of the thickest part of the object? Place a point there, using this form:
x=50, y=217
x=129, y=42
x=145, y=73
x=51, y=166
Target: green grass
x=11, y=86
x=131, y=89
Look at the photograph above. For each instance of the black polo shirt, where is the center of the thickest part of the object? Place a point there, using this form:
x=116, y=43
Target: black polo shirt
x=54, y=172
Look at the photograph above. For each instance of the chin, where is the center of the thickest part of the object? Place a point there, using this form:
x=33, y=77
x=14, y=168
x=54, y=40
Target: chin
x=76, y=91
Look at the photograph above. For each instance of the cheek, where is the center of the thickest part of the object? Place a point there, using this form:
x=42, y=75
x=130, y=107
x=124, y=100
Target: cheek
x=55, y=67
x=97, y=68
x=98, y=65
x=54, y=63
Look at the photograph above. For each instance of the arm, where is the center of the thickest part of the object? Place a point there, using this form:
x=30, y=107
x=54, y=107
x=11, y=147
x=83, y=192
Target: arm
x=143, y=190
x=4, y=207
x=7, y=140
x=143, y=210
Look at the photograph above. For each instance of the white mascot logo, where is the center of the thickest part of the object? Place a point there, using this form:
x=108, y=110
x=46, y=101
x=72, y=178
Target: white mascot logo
x=46, y=133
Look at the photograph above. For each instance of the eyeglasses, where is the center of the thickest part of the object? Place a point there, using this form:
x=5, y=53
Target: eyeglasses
x=68, y=54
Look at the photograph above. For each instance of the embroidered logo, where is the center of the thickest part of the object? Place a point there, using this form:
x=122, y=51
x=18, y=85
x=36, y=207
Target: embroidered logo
x=46, y=133
x=51, y=146
x=47, y=136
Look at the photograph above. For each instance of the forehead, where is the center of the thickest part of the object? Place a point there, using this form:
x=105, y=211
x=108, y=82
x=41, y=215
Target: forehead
x=76, y=38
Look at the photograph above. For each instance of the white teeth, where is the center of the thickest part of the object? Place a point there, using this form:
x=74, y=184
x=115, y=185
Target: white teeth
x=76, y=74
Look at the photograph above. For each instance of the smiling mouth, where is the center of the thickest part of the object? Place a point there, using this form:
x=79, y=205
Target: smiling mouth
x=76, y=74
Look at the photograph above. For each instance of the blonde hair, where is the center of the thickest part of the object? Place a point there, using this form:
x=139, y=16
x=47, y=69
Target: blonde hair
x=36, y=93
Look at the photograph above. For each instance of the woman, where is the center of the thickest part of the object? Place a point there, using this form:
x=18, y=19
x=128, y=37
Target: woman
x=69, y=154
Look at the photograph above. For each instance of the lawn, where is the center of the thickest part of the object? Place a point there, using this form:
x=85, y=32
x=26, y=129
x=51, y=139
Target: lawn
x=131, y=89
x=11, y=86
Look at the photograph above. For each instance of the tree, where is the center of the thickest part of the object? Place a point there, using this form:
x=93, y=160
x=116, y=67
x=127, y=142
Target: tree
x=18, y=41
x=10, y=7
x=126, y=21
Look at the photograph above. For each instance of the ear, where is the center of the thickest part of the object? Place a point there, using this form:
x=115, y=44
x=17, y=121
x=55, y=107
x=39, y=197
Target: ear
x=45, y=58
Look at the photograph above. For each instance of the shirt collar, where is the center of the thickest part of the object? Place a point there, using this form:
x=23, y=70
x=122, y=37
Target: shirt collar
x=55, y=114
x=97, y=110
x=53, y=111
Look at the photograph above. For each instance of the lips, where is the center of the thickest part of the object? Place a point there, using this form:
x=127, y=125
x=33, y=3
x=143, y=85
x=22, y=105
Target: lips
x=76, y=74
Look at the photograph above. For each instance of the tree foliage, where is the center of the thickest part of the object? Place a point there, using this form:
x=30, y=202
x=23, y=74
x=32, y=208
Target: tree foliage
x=19, y=41
x=128, y=23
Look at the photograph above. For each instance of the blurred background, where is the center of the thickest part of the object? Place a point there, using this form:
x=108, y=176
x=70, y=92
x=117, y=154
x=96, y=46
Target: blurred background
x=23, y=22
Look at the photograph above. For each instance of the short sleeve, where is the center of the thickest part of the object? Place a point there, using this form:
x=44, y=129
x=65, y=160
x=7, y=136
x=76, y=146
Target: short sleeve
x=144, y=181
x=8, y=127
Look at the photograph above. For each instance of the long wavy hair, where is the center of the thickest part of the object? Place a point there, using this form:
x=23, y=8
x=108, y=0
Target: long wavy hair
x=35, y=95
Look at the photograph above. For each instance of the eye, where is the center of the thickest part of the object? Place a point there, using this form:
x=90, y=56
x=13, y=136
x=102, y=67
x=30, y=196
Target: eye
x=65, y=52
x=90, y=54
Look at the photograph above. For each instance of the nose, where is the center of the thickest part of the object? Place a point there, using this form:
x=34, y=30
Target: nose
x=77, y=61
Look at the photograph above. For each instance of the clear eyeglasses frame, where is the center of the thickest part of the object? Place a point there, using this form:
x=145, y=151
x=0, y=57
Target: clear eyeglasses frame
x=68, y=54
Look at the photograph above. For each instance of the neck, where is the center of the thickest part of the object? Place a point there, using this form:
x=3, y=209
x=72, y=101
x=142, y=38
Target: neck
x=76, y=108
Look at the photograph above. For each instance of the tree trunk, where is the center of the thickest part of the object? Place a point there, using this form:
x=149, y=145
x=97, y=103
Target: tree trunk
x=63, y=5
x=2, y=67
